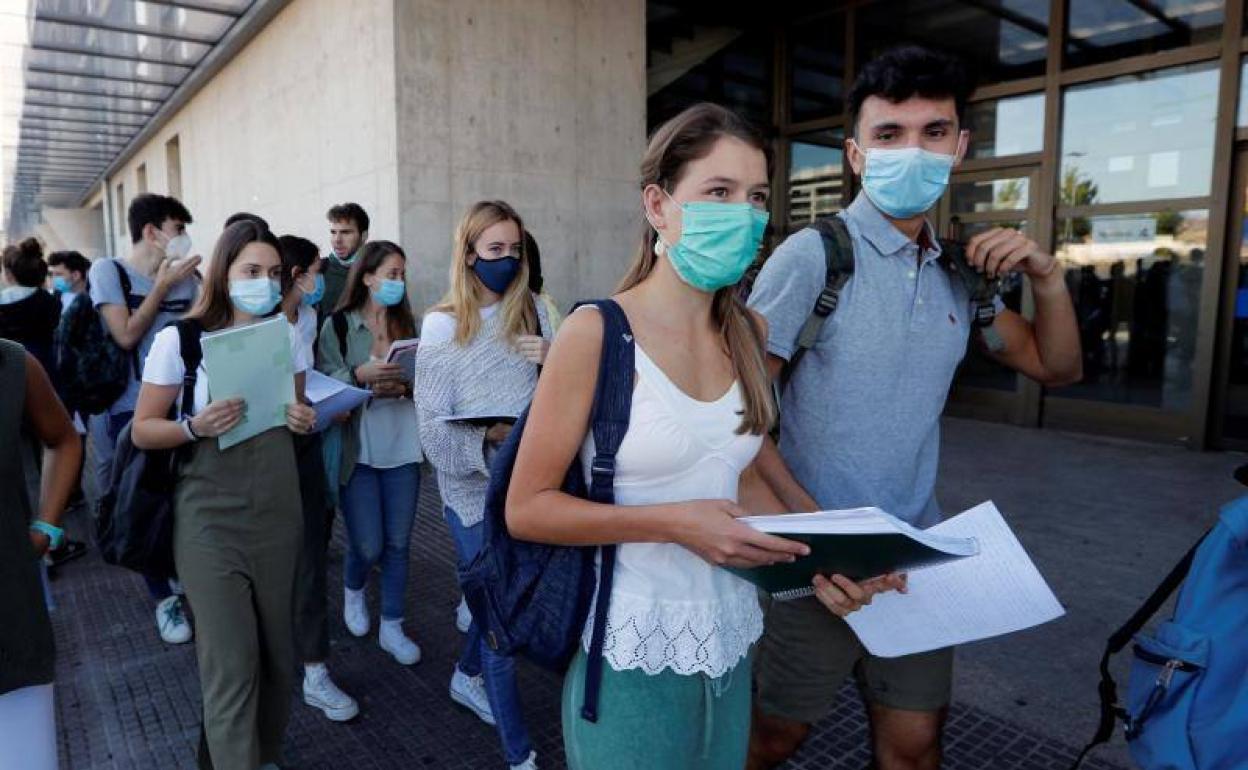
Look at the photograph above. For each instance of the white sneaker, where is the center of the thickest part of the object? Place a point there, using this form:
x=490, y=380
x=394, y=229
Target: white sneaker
x=355, y=612
x=320, y=692
x=171, y=621
x=528, y=764
x=469, y=692
x=463, y=616
x=394, y=641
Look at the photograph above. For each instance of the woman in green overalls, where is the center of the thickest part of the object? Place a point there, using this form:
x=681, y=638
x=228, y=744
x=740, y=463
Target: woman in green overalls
x=237, y=520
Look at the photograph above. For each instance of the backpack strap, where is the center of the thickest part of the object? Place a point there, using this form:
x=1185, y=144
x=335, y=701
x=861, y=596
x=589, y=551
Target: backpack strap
x=189, y=332
x=838, y=256
x=1111, y=709
x=339, y=320
x=123, y=278
x=613, y=402
x=983, y=293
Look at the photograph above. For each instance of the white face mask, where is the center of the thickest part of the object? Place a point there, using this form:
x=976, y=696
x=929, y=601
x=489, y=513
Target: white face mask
x=178, y=246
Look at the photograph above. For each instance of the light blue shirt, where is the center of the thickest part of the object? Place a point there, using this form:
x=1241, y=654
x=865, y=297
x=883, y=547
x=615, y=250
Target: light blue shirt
x=860, y=418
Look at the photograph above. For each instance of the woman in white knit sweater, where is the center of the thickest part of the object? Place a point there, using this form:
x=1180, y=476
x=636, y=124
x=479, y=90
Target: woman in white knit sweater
x=479, y=356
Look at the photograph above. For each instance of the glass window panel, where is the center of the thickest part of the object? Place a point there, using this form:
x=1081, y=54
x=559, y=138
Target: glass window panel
x=1106, y=30
x=978, y=370
x=1135, y=279
x=1013, y=194
x=1235, y=416
x=1140, y=137
x=72, y=114
x=815, y=176
x=86, y=64
x=1000, y=39
x=122, y=89
x=90, y=102
x=1242, y=117
x=817, y=68
x=721, y=65
x=1000, y=127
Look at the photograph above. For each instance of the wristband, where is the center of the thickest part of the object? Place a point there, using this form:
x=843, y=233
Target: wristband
x=191, y=435
x=56, y=535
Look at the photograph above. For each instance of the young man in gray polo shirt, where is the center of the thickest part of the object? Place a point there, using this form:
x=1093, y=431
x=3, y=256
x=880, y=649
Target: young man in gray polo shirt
x=860, y=416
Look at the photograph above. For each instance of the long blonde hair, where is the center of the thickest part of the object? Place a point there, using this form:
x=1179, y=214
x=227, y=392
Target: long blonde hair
x=463, y=299
x=688, y=137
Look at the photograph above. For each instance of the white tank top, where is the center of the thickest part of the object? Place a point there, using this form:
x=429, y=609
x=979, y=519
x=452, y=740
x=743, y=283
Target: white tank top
x=670, y=608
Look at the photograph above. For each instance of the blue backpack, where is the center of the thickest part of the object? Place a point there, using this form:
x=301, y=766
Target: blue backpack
x=531, y=598
x=1187, y=697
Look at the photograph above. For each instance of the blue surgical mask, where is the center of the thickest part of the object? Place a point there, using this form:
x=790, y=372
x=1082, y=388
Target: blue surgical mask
x=256, y=296
x=906, y=182
x=718, y=242
x=314, y=296
x=390, y=292
x=61, y=283
x=497, y=274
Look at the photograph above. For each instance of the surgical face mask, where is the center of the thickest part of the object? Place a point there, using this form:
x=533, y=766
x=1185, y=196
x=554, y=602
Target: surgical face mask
x=497, y=274
x=61, y=284
x=178, y=247
x=256, y=296
x=389, y=293
x=905, y=182
x=718, y=241
x=318, y=291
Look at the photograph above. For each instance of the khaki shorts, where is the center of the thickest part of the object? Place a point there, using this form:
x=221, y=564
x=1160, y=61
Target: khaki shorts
x=806, y=653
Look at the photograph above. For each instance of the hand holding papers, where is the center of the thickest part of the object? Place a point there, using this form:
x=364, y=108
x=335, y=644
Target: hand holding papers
x=403, y=353
x=995, y=592
x=331, y=398
x=252, y=363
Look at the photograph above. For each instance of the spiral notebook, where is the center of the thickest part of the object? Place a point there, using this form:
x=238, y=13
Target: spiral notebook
x=859, y=543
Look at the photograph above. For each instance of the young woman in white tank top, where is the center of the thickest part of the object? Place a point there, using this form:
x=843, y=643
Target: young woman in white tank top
x=680, y=630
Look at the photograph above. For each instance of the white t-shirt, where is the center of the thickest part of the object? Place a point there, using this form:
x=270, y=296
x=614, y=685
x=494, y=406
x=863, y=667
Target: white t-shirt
x=305, y=323
x=439, y=327
x=164, y=363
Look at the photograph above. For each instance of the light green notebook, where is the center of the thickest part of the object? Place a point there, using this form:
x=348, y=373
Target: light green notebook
x=253, y=363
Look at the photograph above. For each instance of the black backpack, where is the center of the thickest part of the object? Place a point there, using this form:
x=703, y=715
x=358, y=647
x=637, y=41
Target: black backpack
x=533, y=598
x=838, y=252
x=134, y=528
x=92, y=370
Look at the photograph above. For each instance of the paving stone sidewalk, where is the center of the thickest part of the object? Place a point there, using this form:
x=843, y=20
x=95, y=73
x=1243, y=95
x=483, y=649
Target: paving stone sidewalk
x=126, y=701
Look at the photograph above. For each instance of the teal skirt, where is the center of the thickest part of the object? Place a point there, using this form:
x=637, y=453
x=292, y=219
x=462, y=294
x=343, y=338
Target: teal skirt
x=665, y=721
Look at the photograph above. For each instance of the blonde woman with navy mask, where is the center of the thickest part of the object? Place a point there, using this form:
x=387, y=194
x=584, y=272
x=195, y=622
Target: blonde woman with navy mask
x=680, y=630
x=479, y=356
x=238, y=527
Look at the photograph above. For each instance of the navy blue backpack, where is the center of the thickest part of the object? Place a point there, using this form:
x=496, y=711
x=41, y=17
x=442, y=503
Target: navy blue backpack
x=1187, y=698
x=533, y=599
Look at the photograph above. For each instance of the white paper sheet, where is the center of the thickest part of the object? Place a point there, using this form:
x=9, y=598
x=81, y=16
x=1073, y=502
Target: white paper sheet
x=330, y=397
x=995, y=592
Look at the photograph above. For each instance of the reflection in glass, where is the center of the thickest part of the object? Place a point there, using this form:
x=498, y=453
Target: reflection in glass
x=1241, y=119
x=1000, y=39
x=991, y=195
x=1235, y=419
x=1135, y=279
x=815, y=176
x=1012, y=126
x=727, y=66
x=1106, y=30
x=817, y=68
x=1140, y=137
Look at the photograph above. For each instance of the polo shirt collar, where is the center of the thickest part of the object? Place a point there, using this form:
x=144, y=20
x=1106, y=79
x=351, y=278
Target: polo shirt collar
x=882, y=234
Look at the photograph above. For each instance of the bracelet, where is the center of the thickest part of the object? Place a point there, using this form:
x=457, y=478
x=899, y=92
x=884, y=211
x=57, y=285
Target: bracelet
x=191, y=435
x=56, y=535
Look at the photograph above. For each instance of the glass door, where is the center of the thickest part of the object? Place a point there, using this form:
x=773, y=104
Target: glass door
x=975, y=202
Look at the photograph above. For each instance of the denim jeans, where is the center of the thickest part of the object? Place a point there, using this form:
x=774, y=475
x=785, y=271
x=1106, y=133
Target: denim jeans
x=379, y=506
x=499, y=671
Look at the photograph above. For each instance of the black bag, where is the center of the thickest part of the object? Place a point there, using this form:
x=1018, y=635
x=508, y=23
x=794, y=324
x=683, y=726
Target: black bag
x=92, y=370
x=135, y=524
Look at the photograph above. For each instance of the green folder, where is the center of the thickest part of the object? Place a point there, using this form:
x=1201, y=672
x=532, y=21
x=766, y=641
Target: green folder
x=859, y=544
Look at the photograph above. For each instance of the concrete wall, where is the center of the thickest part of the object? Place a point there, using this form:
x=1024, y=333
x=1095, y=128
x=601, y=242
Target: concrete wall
x=302, y=118
x=538, y=102
x=79, y=230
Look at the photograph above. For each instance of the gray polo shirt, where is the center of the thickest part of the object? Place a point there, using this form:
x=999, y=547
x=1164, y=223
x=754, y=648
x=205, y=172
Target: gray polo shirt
x=860, y=419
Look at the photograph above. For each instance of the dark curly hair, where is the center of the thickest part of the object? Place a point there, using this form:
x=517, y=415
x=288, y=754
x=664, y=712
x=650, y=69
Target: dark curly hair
x=907, y=71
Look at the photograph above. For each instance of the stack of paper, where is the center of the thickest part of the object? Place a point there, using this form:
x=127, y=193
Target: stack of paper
x=253, y=363
x=330, y=398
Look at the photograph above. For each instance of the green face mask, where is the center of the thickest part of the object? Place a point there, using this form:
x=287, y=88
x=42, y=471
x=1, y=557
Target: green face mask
x=718, y=242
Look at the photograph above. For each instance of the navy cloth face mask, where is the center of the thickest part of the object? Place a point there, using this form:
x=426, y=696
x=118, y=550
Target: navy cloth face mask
x=497, y=274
